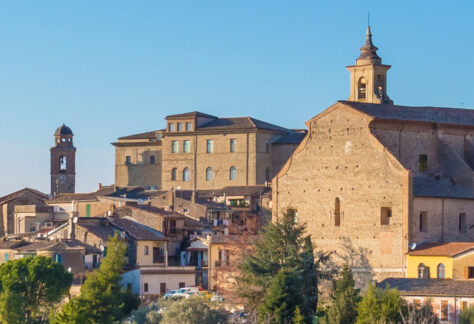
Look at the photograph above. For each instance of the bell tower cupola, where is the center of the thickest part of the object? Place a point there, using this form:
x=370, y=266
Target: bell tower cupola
x=63, y=162
x=369, y=75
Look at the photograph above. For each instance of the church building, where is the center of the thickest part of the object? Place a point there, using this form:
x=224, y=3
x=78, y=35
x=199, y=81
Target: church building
x=374, y=180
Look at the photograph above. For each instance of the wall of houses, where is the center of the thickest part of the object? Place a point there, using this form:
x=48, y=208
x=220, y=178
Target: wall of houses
x=70, y=258
x=171, y=277
x=145, y=252
x=340, y=180
x=139, y=172
x=454, y=306
x=7, y=210
x=432, y=262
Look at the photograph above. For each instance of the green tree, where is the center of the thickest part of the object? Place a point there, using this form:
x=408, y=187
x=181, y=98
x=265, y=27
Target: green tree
x=281, y=245
x=298, y=318
x=191, y=311
x=29, y=287
x=467, y=316
x=344, y=299
x=283, y=297
x=381, y=306
x=102, y=298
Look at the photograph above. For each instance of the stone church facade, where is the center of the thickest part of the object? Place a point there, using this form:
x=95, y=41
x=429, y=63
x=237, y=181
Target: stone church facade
x=373, y=180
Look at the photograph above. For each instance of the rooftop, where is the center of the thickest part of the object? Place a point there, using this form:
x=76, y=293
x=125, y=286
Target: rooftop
x=430, y=287
x=20, y=192
x=439, y=115
x=449, y=249
x=190, y=114
x=443, y=188
x=136, y=230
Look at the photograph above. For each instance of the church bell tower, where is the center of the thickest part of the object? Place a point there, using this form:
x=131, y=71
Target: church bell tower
x=63, y=162
x=369, y=75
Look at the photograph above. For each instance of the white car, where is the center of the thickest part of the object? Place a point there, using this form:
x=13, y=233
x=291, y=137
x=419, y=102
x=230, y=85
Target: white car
x=170, y=294
x=217, y=298
x=183, y=292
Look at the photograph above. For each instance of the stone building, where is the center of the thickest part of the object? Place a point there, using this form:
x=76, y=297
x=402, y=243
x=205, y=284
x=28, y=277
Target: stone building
x=372, y=179
x=63, y=162
x=199, y=151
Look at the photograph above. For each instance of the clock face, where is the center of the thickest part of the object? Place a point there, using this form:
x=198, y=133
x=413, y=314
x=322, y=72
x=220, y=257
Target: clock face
x=62, y=179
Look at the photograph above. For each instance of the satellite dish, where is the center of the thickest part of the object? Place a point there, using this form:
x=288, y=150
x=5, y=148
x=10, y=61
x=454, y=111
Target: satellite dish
x=69, y=269
x=412, y=246
x=74, y=220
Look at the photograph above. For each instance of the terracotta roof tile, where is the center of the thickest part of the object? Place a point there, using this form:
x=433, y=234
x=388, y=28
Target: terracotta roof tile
x=430, y=287
x=450, y=249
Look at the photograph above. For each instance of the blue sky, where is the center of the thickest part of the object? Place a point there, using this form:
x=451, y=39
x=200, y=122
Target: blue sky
x=114, y=68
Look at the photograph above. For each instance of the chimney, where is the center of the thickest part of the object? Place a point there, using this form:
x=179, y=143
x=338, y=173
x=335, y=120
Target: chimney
x=100, y=186
x=72, y=225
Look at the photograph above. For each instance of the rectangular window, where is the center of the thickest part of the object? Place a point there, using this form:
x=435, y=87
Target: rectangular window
x=186, y=146
x=469, y=273
x=94, y=261
x=189, y=127
x=182, y=285
x=232, y=145
x=444, y=310
x=145, y=252
x=145, y=287
x=462, y=223
x=5, y=257
x=210, y=146
x=162, y=288
x=464, y=305
x=57, y=258
x=423, y=226
x=423, y=162
x=128, y=160
x=171, y=127
x=385, y=215
x=180, y=127
x=152, y=159
x=267, y=146
x=174, y=146
x=158, y=136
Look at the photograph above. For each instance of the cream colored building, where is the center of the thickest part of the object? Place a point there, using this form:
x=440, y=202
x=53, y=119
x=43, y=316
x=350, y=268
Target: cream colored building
x=372, y=178
x=199, y=151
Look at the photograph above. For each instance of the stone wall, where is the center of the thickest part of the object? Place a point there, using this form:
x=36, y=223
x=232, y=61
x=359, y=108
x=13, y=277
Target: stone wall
x=139, y=172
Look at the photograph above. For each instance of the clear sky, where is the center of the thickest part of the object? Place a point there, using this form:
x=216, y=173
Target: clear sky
x=114, y=68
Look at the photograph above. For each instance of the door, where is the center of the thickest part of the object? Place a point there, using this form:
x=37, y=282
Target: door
x=163, y=288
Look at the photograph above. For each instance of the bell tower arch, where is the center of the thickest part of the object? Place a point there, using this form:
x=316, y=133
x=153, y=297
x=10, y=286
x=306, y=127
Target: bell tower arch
x=63, y=162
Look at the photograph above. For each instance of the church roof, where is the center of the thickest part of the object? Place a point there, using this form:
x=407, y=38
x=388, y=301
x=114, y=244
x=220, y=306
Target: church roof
x=439, y=115
x=63, y=130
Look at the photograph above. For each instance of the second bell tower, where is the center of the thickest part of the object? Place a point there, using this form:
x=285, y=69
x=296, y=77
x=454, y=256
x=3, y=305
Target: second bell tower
x=63, y=162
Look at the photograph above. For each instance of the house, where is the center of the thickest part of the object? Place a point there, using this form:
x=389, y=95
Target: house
x=447, y=297
x=26, y=196
x=372, y=178
x=198, y=151
x=453, y=260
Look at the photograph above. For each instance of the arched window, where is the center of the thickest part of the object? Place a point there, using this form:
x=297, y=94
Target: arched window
x=361, y=88
x=209, y=174
x=441, y=272
x=423, y=271
x=62, y=163
x=173, y=174
x=185, y=174
x=233, y=173
x=337, y=212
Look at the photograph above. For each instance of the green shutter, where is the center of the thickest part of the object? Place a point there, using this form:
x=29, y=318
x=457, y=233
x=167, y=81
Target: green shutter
x=88, y=210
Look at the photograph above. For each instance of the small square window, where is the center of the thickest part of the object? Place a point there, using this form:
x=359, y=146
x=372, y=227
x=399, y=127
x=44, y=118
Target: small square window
x=189, y=127
x=171, y=127
x=180, y=127
x=385, y=215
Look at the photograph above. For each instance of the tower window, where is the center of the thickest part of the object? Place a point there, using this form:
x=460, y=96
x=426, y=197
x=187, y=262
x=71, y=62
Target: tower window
x=152, y=159
x=171, y=127
x=180, y=127
x=337, y=212
x=210, y=146
x=267, y=146
x=423, y=226
x=423, y=162
x=128, y=160
x=185, y=174
x=462, y=223
x=361, y=88
x=189, y=127
x=233, y=173
x=173, y=174
x=62, y=163
x=232, y=145
x=209, y=174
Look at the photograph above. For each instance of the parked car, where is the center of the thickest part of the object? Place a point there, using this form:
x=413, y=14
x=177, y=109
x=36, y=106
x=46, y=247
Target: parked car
x=200, y=293
x=183, y=292
x=169, y=294
x=217, y=298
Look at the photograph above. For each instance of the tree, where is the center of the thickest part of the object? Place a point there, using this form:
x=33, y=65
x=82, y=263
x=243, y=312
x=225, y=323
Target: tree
x=29, y=287
x=283, y=297
x=381, y=306
x=345, y=299
x=102, y=298
x=191, y=311
x=281, y=245
x=298, y=318
x=467, y=316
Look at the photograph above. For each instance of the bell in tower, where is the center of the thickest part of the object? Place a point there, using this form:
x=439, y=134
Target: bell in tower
x=63, y=162
x=369, y=75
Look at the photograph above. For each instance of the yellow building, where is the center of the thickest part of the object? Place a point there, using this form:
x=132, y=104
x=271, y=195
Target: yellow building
x=453, y=260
